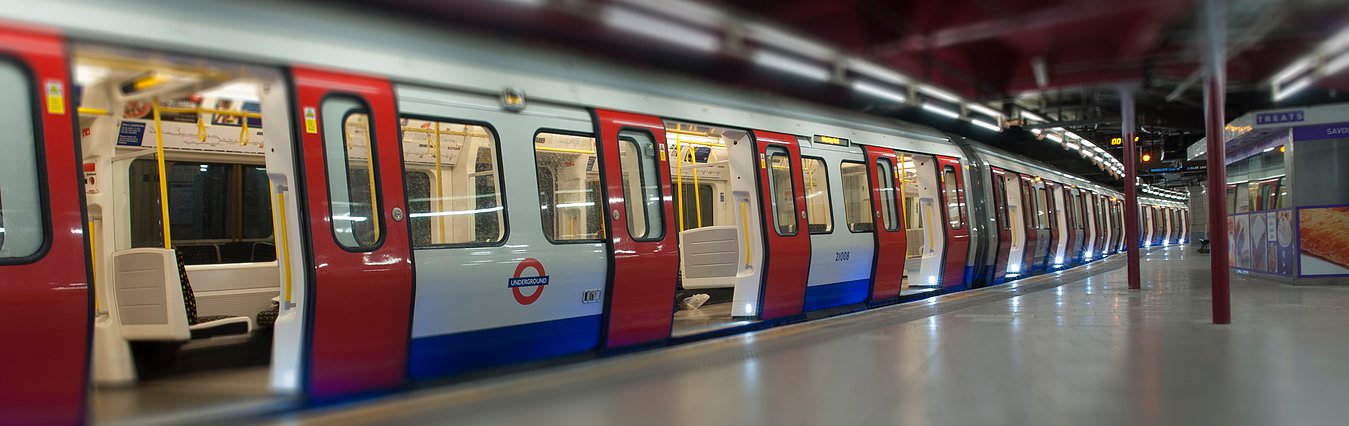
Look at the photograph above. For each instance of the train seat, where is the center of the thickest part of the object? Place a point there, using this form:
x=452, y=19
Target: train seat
x=709, y=256
x=155, y=301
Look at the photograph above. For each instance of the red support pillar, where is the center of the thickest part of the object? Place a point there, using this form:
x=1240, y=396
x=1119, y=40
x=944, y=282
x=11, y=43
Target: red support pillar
x=1131, y=238
x=1215, y=87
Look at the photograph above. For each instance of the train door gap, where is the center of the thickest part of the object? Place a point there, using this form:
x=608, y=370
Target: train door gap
x=926, y=237
x=716, y=213
x=183, y=323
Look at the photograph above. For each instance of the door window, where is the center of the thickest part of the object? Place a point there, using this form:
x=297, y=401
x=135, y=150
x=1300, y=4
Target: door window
x=781, y=189
x=885, y=181
x=641, y=185
x=452, y=183
x=568, y=178
x=21, y=211
x=950, y=192
x=349, y=156
x=817, y=196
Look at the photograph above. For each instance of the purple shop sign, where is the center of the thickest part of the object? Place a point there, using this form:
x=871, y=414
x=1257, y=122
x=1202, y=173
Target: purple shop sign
x=1321, y=131
x=1280, y=117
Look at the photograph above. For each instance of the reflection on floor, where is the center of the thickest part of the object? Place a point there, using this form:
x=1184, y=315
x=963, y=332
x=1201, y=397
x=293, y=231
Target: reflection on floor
x=704, y=319
x=184, y=398
x=916, y=290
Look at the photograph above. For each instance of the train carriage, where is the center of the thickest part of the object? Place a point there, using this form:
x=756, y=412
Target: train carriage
x=359, y=220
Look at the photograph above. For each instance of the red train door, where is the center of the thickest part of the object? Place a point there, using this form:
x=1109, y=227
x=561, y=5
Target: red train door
x=359, y=291
x=887, y=270
x=1051, y=188
x=957, y=227
x=1002, y=222
x=783, y=202
x=1070, y=221
x=1030, y=212
x=644, y=262
x=44, y=294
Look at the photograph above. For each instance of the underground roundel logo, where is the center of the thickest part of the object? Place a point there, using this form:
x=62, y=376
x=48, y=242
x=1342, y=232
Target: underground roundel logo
x=519, y=282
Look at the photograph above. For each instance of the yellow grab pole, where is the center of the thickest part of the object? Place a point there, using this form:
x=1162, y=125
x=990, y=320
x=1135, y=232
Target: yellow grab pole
x=679, y=181
x=370, y=171
x=440, y=188
x=903, y=204
x=744, y=227
x=283, y=246
x=697, y=194
x=163, y=176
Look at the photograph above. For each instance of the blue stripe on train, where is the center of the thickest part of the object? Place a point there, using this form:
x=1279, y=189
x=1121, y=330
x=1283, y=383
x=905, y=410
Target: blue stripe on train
x=437, y=356
x=836, y=294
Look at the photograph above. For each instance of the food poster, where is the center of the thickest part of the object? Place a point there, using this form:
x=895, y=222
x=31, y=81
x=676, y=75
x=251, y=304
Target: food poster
x=1323, y=241
x=1283, y=242
x=1259, y=235
x=1231, y=241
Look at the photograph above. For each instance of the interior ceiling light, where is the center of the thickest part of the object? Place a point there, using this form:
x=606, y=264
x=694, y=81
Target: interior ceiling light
x=661, y=29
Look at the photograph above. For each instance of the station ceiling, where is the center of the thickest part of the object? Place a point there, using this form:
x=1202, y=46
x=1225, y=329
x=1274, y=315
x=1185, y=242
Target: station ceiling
x=1061, y=59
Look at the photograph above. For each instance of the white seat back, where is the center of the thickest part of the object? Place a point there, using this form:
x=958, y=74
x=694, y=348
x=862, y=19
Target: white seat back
x=708, y=256
x=148, y=295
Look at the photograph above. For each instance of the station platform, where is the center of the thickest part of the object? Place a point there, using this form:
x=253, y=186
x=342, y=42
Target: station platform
x=1071, y=348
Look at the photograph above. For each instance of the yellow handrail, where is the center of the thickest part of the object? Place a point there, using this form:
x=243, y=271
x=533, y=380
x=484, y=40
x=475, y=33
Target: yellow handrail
x=440, y=186
x=563, y=150
x=810, y=189
x=201, y=124
x=279, y=206
x=744, y=227
x=92, y=111
x=679, y=182
x=163, y=176
x=697, y=198
x=370, y=172
x=93, y=263
x=903, y=203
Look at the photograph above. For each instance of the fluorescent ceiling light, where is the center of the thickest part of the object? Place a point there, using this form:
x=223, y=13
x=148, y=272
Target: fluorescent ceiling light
x=692, y=11
x=1088, y=143
x=1284, y=92
x=879, y=91
x=1338, y=64
x=986, y=125
x=940, y=111
x=1054, y=137
x=789, y=42
x=938, y=93
x=878, y=72
x=88, y=74
x=1036, y=131
x=1267, y=149
x=1071, y=146
x=791, y=65
x=984, y=110
x=662, y=29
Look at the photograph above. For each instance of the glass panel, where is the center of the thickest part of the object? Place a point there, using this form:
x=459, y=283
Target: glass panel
x=1243, y=196
x=782, y=193
x=817, y=196
x=1000, y=199
x=699, y=212
x=950, y=187
x=856, y=197
x=568, y=177
x=641, y=185
x=451, y=183
x=885, y=181
x=257, y=203
x=21, y=210
x=349, y=153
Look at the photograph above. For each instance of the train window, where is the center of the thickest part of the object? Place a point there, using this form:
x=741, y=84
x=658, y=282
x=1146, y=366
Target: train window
x=783, y=193
x=700, y=212
x=817, y=196
x=857, y=197
x=350, y=161
x=1043, y=210
x=641, y=185
x=950, y=192
x=451, y=182
x=885, y=179
x=21, y=211
x=1027, y=206
x=216, y=208
x=568, y=178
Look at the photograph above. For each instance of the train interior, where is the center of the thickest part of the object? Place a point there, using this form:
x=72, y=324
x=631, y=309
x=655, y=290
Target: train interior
x=925, y=235
x=183, y=320
x=715, y=210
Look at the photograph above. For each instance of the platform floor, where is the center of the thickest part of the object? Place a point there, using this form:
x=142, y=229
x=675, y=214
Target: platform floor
x=1071, y=348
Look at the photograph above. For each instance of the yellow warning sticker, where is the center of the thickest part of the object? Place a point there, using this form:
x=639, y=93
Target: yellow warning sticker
x=56, y=97
x=311, y=121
